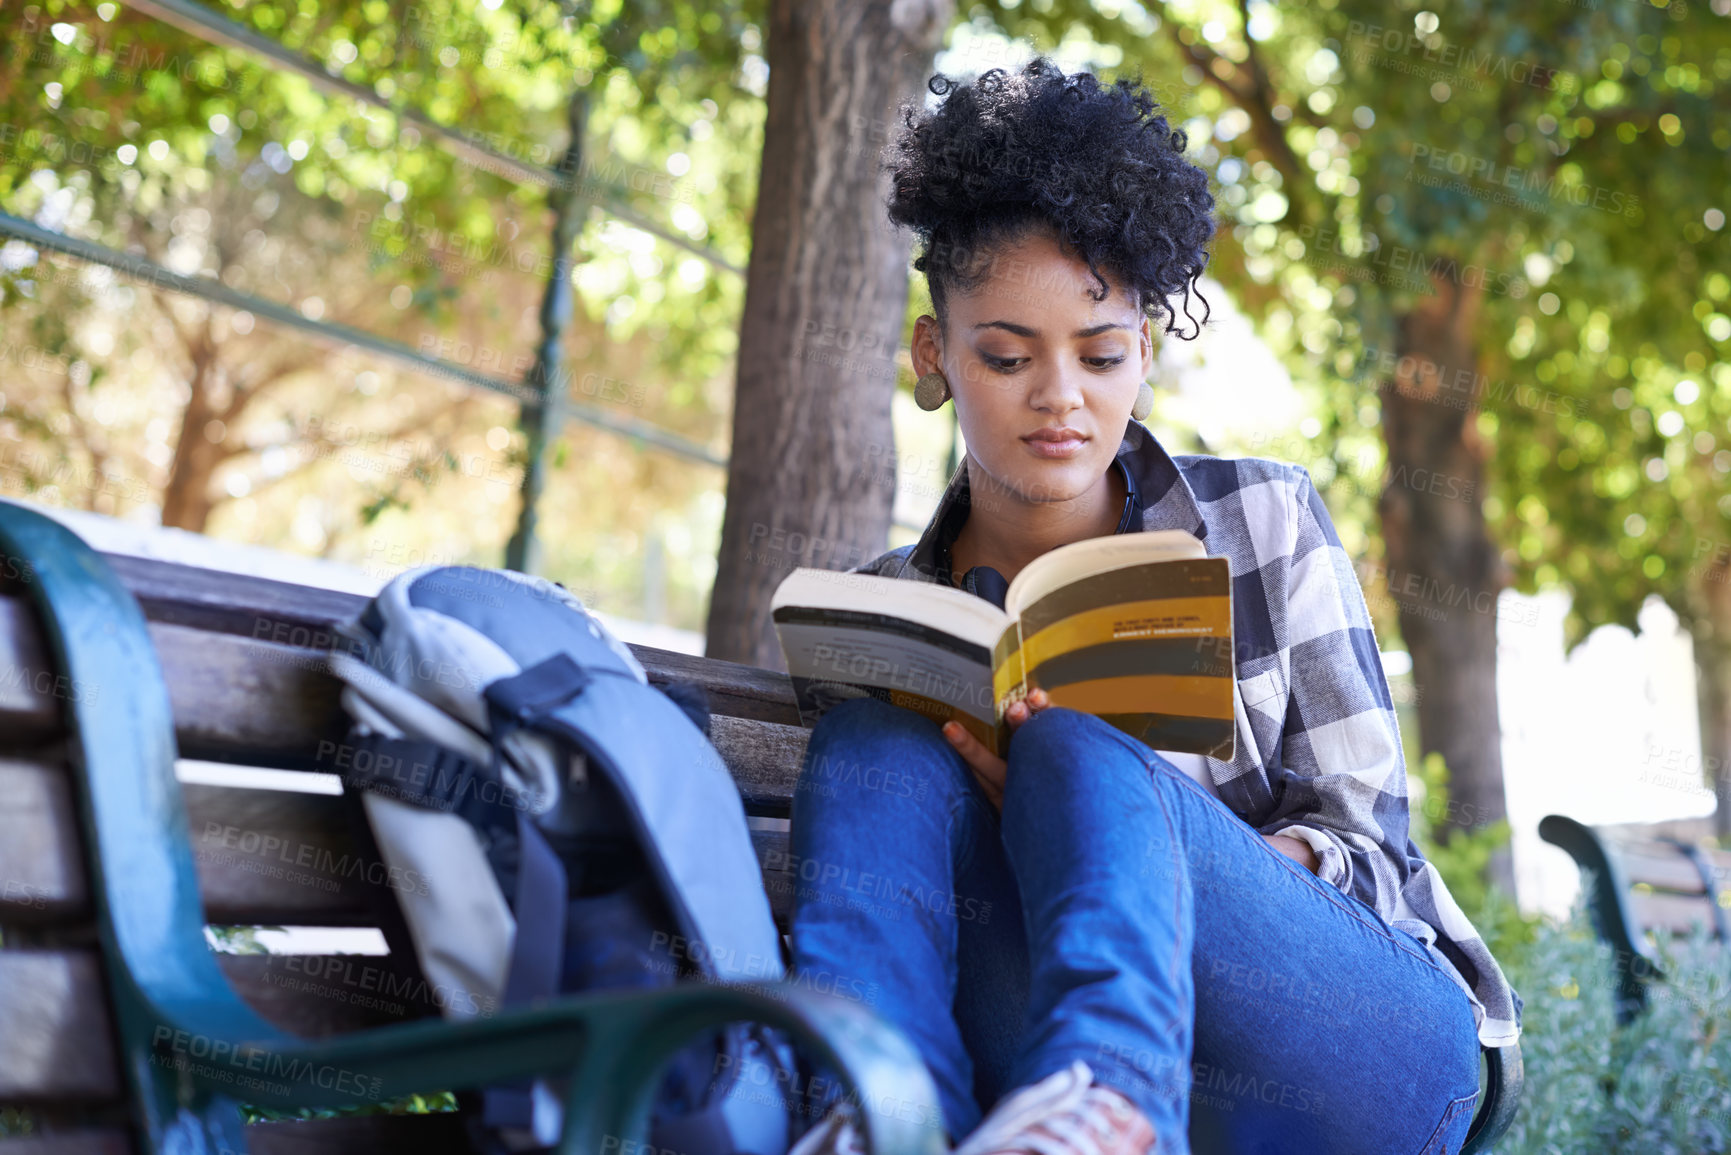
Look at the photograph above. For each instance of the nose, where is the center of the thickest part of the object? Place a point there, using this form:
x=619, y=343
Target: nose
x=1057, y=390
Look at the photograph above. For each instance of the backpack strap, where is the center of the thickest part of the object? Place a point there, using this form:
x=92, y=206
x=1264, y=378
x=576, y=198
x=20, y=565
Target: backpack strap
x=414, y=770
x=432, y=775
x=543, y=890
x=536, y=955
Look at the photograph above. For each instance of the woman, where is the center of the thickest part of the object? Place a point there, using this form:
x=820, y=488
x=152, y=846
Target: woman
x=1096, y=947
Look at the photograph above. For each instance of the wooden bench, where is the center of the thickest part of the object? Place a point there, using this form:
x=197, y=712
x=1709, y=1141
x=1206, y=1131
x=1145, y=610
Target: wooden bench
x=121, y=1030
x=1644, y=883
x=110, y=869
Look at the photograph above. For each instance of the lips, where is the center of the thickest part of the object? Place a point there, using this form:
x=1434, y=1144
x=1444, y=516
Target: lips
x=1059, y=443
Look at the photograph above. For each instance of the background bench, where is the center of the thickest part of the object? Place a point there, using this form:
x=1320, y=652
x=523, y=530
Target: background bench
x=1644, y=883
x=246, y=683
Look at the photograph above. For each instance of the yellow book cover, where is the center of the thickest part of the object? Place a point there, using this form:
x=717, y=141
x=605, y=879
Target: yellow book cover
x=1135, y=628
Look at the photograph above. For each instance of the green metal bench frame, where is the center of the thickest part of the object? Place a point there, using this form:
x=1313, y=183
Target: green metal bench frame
x=184, y=1038
x=1612, y=916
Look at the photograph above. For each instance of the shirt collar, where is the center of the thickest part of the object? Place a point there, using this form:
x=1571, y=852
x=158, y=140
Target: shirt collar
x=1159, y=498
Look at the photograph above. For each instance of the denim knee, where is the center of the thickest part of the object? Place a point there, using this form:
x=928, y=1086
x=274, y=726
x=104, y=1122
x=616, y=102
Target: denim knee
x=866, y=748
x=1053, y=735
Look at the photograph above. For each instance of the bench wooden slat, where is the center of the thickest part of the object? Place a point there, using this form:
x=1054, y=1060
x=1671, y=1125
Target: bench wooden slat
x=274, y=857
x=435, y=1134
x=229, y=603
x=1659, y=866
x=249, y=882
x=764, y=759
x=115, y=1142
x=255, y=607
x=55, y=1028
x=255, y=703
x=1720, y=861
x=264, y=857
x=279, y=858
x=28, y=709
x=1670, y=912
x=259, y=703
x=55, y=1035
x=42, y=875
x=262, y=704
x=316, y=996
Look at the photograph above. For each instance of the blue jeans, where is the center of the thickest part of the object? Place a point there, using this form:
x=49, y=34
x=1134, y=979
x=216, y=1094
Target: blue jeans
x=1119, y=914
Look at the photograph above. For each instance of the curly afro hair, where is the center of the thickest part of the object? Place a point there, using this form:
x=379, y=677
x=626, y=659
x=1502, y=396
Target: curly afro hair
x=1095, y=164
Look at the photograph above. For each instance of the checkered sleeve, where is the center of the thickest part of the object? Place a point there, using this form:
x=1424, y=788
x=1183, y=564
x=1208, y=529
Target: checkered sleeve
x=1340, y=784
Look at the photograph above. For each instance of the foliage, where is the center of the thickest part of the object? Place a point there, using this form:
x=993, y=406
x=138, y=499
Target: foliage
x=245, y=940
x=1569, y=158
x=1659, y=1086
x=237, y=939
x=431, y=1103
x=126, y=131
x=1461, y=859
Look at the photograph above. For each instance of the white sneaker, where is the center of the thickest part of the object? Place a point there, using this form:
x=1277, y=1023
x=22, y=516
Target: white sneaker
x=1063, y=1114
x=837, y=1133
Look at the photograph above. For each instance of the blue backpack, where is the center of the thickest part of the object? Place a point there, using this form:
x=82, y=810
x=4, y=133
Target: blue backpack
x=570, y=828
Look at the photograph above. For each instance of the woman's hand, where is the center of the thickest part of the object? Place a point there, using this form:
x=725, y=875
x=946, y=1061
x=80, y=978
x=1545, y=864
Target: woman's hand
x=988, y=768
x=1296, y=849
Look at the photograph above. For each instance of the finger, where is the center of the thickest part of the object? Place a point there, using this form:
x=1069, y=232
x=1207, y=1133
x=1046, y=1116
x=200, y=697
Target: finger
x=980, y=760
x=994, y=791
x=965, y=743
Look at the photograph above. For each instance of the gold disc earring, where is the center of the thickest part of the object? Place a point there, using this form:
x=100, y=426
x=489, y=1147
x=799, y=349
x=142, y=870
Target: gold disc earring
x=931, y=391
x=1144, y=402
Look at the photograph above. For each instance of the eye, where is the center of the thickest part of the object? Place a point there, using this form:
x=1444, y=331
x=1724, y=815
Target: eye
x=1104, y=362
x=1003, y=364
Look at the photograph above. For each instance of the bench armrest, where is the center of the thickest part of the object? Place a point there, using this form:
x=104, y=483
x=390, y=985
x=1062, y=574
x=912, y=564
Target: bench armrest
x=1608, y=908
x=612, y=1044
x=1502, y=1099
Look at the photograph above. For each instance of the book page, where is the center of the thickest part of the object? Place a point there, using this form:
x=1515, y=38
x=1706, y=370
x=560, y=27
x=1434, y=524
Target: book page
x=856, y=638
x=1147, y=647
x=1079, y=559
x=1008, y=681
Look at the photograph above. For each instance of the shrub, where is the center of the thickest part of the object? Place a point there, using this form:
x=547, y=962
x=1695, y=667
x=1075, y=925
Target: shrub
x=1462, y=862
x=1659, y=1086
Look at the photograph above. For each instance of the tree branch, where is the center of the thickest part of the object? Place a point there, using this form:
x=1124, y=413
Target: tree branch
x=92, y=445
x=245, y=393
x=1256, y=97
x=456, y=411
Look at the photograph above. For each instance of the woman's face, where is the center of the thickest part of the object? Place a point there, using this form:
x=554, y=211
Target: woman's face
x=1031, y=352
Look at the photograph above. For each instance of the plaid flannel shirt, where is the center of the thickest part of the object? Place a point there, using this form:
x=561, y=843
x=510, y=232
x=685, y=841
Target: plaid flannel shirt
x=1319, y=753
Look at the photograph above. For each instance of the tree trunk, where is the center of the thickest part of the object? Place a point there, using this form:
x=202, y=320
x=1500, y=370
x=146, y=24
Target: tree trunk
x=1712, y=635
x=808, y=483
x=186, y=499
x=1444, y=571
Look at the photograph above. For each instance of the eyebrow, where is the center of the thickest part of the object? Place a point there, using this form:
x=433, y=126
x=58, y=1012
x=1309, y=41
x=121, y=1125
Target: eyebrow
x=1024, y=331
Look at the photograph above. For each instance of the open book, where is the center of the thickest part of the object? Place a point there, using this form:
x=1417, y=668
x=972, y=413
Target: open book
x=1134, y=627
